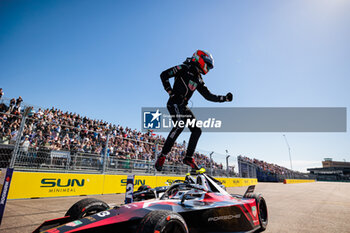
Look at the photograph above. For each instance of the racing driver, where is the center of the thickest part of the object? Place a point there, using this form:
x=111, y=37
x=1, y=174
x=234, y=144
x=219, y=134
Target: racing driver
x=188, y=78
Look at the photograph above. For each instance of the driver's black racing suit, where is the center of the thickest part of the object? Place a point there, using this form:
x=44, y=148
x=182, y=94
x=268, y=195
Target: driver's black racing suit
x=187, y=80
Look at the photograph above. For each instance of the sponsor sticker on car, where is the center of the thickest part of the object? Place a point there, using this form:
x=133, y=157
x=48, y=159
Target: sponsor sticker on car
x=74, y=223
x=254, y=211
x=54, y=230
x=91, y=219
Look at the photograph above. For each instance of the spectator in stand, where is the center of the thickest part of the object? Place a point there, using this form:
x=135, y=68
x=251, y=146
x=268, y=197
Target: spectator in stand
x=1, y=93
x=25, y=144
x=12, y=105
x=17, y=108
x=19, y=101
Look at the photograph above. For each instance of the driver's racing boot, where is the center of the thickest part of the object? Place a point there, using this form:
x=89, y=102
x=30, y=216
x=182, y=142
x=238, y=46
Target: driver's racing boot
x=190, y=162
x=159, y=163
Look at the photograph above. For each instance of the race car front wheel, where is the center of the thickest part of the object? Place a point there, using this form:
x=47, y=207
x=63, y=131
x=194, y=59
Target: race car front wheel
x=162, y=221
x=86, y=207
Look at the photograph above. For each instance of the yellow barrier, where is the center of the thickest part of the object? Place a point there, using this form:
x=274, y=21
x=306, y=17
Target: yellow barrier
x=32, y=185
x=295, y=181
x=112, y=184
x=117, y=183
x=238, y=182
x=35, y=184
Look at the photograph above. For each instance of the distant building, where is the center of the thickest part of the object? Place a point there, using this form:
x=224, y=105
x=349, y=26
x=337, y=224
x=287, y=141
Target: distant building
x=328, y=162
x=332, y=171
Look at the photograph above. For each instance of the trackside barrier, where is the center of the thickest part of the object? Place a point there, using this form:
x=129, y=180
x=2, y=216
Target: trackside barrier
x=36, y=185
x=296, y=181
x=5, y=182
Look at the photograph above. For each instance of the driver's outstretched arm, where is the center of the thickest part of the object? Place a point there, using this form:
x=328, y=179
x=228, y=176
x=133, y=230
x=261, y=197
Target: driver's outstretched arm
x=203, y=90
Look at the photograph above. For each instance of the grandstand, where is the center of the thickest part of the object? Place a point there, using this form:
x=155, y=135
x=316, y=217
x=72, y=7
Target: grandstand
x=332, y=171
x=266, y=172
x=53, y=140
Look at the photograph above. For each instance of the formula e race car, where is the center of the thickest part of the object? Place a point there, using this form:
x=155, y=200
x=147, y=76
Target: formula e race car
x=193, y=205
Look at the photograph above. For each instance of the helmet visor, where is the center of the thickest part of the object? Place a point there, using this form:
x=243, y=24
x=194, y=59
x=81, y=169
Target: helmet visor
x=209, y=61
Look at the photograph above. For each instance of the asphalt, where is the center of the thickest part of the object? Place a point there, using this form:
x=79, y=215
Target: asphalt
x=293, y=208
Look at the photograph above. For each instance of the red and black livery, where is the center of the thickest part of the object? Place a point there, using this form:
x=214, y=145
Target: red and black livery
x=193, y=205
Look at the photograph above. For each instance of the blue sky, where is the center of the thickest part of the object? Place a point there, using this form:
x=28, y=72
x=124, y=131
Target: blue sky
x=102, y=59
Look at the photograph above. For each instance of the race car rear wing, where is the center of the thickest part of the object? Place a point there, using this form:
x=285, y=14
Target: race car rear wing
x=250, y=189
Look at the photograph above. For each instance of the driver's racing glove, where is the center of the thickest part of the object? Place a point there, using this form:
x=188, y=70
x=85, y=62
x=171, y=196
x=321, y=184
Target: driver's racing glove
x=229, y=97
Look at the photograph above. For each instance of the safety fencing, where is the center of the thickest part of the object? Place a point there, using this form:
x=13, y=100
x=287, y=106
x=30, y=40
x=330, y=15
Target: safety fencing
x=296, y=181
x=249, y=169
x=44, y=159
x=41, y=184
x=246, y=169
x=49, y=140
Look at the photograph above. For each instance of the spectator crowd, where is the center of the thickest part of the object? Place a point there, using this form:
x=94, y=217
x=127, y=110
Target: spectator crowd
x=267, y=167
x=56, y=130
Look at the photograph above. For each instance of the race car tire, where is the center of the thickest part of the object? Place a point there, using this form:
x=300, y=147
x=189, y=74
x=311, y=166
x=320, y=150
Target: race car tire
x=162, y=221
x=143, y=187
x=262, y=210
x=86, y=207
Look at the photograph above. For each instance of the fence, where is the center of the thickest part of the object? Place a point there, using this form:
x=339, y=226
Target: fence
x=246, y=169
x=44, y=159
x=225, y=163
x=249, y=169
x=50, y=140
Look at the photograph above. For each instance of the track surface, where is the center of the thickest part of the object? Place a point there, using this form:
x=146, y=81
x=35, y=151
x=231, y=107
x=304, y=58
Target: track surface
x=309, y=207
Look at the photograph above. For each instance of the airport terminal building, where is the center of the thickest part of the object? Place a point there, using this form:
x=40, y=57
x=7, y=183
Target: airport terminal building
x=332, y=171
